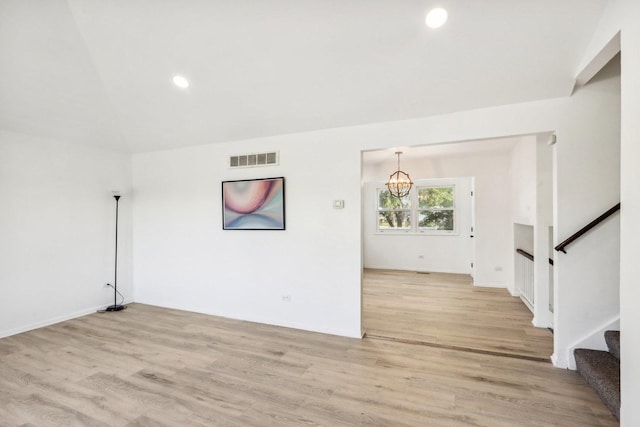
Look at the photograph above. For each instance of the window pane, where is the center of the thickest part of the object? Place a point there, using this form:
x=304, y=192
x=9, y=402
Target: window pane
x=394, y=220
x=387, y=201
x=435, y=197
x=439, y=220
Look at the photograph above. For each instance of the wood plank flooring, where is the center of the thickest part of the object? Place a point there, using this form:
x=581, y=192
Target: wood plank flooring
x=447, y=310
x=149, y=366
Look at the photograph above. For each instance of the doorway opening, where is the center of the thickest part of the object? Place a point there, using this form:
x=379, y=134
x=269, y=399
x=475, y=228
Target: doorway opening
x=456, y=289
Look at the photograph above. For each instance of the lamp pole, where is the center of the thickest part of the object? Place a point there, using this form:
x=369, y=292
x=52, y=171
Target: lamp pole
x=116, y=306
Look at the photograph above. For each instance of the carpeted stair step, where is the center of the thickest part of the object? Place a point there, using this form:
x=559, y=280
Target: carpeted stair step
x=613, y=342
x=602, y=372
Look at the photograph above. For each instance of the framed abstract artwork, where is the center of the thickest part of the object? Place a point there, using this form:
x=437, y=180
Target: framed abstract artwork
x=253, y=204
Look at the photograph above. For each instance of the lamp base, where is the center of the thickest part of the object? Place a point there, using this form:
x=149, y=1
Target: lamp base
x=115, y=308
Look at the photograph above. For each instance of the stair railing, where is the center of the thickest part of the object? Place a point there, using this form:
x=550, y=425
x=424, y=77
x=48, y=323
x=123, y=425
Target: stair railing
x=524, y=278
x=529, y=256
x=575, y=236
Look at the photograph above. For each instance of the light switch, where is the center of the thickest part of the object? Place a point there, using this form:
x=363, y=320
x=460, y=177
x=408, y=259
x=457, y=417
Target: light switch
x=338, y=204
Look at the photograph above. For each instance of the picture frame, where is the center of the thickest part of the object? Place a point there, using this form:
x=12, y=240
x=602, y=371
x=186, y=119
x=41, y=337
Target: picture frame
x=253, y=204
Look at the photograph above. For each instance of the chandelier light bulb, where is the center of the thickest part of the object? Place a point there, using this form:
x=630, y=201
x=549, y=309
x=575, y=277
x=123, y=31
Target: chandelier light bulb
x=399, y=183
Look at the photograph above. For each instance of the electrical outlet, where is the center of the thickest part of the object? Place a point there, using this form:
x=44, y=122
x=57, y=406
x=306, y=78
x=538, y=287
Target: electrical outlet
x=286, y=298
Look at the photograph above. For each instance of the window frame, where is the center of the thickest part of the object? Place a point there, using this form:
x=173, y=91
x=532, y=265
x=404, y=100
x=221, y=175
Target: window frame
x=394, y=230
x=414, y=210
x=453, y=209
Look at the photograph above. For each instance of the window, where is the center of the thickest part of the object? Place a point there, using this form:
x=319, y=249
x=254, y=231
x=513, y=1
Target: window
x=427, y=209
x=435, y=208
x=393, y=213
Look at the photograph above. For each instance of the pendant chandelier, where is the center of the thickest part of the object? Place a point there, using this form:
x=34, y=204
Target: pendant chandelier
x=399, y=183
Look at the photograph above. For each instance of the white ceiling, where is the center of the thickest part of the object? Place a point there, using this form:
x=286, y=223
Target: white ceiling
x=99, y=72
x=432, y=151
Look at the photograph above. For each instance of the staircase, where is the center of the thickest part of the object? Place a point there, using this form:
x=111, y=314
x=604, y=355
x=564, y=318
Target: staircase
x=601, y=369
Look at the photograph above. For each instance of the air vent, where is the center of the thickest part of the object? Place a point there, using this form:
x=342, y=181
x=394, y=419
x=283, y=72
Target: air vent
x=253, y=160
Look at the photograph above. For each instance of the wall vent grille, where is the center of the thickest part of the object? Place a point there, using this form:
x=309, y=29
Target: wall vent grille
x=254, y=160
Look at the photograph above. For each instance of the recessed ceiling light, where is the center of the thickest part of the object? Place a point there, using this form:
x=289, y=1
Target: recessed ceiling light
x=436, y=18
x=181, y=82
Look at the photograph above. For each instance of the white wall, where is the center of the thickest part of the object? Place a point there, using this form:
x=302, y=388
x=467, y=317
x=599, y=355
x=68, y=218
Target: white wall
x=624, y=15
x=57, y=225
x=523, y=177
x=630, y=226
x=587, y=183
x=523, y=237
x=543, y=234
x=532, y=203
x=523, y=181
x=184, y=259
x=450, y=253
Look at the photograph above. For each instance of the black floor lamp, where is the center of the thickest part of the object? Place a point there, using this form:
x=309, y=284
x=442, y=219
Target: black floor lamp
x=116, y=306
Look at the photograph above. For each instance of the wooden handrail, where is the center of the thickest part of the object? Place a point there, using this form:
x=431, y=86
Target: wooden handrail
x=525, y=254
x=575, y=236
x=529, y=256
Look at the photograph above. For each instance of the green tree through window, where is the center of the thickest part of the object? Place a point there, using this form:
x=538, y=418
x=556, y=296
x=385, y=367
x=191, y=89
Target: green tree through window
x=432, y=206
x=435, y=208
x=392, y=211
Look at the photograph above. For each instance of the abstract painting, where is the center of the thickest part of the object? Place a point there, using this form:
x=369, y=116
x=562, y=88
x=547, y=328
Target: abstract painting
x=253, y=204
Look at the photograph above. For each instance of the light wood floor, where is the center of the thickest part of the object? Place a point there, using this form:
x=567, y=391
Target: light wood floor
x=149, y=366
x=447, y=310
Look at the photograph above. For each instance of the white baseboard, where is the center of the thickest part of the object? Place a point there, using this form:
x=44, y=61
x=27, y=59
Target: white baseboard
x=349, y=333
x=413, y=270
x=491, y=285
x=557, y=362
x=52, y=321
x=538, y=324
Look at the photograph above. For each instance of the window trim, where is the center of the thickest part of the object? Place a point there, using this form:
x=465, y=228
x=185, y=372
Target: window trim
x=453, y=209
x=396, y=230
x=414, y=210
